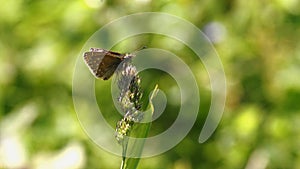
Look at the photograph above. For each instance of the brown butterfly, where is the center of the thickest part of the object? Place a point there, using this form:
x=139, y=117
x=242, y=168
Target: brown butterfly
x=103, y=63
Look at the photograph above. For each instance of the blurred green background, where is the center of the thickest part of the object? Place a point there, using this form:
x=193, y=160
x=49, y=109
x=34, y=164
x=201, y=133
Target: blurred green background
x=257, y=41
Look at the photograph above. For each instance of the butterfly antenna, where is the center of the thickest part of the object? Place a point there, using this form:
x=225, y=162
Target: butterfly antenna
x=141, y=48
x=138, y=49
x=129, y=55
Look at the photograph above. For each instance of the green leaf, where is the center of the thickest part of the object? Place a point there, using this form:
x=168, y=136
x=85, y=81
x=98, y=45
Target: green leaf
x=140, y=130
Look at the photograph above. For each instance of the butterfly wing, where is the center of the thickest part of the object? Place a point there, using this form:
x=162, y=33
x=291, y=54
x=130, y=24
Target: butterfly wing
x=108, y=66
x=93, y=60
x=102, y=63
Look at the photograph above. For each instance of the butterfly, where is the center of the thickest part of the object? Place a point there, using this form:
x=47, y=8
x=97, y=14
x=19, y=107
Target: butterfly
x=103, y=63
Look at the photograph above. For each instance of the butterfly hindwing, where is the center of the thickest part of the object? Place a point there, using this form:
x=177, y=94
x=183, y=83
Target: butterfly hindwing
x=93, y=60
x=108, y=66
